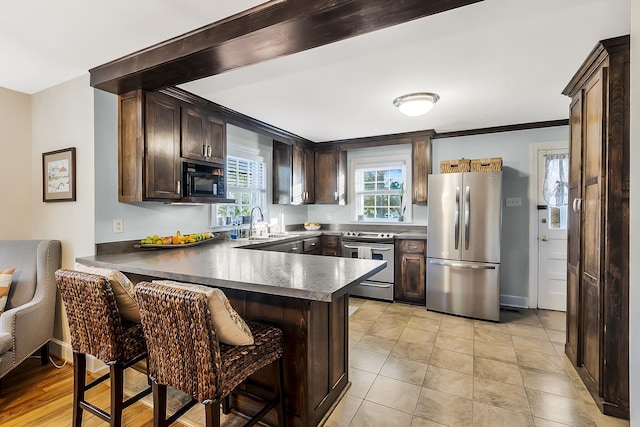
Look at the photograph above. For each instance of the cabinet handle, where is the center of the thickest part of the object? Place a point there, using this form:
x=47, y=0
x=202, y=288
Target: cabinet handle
x=204, y=150
x=208, y=151
x=294, y=249
x=178, y=187
x=577, y=205
x=335, y=195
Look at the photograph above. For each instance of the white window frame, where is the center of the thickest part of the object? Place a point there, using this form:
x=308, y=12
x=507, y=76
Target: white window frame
x=381, y=157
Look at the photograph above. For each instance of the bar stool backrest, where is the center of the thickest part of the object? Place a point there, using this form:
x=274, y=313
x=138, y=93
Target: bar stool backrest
x=94, y=320
x=183, y=348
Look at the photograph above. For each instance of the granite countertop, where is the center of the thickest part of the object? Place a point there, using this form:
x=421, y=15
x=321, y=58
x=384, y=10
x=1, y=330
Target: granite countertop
x=229, y=264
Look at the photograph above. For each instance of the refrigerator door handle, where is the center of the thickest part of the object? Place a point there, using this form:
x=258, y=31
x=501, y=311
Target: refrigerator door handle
x=459, y=265
x=467, y=213
x=456, y=217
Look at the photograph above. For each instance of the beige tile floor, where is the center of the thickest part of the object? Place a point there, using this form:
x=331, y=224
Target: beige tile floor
x=411, y=367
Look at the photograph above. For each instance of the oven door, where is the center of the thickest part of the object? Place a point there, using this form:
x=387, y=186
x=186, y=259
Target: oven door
x=383, y=252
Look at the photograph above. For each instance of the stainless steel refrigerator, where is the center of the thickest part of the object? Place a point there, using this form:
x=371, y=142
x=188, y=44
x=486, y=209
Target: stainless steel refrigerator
x=463, y=245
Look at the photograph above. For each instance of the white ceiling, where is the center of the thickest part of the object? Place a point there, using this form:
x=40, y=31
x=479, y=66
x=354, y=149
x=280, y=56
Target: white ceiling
x=493, y=63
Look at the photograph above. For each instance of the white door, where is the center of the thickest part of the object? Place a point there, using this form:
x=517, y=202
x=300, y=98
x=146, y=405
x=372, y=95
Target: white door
x=552, y=246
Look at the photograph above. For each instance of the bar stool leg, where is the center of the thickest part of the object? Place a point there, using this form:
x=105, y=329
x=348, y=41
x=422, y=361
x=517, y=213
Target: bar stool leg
x=79, y=382
x=159, y=404
x=226, y=404
x=212, y=413
x=117, y=394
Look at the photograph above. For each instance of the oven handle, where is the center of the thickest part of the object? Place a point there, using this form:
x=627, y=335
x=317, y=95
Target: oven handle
x=387, y=285
x=372, y=248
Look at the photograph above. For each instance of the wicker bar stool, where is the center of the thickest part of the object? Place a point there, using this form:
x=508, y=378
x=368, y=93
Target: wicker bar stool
x=185, y=353
x=97, y=329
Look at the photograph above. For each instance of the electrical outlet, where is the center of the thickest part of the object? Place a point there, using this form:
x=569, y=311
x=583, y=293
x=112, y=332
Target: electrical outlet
x=514, y=201
x=118, y=226
x=329, y=216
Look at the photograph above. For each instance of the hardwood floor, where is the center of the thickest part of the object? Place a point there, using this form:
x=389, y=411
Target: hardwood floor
x=36, y=395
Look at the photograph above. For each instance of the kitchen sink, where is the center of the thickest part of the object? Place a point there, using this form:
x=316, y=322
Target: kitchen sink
x=270, y=237
x=281, y=235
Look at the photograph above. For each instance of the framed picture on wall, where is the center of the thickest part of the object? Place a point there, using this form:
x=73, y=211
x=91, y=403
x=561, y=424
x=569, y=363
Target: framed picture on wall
x=59, y=175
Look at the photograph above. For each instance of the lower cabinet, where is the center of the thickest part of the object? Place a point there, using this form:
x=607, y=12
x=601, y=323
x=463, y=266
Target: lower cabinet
x=291, y=247
x=410, y=271
x=331, y=245
x=312, y=246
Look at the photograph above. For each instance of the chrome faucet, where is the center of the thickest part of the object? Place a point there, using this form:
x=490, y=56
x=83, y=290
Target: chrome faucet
x=251, y=224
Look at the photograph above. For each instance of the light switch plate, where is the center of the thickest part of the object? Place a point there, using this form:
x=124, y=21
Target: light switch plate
x=514, y=201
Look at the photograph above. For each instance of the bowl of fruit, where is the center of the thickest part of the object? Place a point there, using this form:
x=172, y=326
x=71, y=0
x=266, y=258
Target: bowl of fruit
x=312, y=226
x=177, y=240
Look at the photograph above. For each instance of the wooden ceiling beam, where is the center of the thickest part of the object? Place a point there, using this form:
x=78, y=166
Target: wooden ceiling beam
x=268, y=31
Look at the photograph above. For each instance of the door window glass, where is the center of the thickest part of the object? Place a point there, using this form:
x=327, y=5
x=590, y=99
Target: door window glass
x=556, y=189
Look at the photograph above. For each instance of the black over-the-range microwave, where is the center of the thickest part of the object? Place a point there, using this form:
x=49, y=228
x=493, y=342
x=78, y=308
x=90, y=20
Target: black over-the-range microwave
x=203, y=182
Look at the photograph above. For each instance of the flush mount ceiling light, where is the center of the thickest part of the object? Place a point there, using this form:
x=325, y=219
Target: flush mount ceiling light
x=416, y=104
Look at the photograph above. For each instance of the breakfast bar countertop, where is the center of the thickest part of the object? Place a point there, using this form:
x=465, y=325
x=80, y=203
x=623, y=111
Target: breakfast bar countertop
x=223, y=264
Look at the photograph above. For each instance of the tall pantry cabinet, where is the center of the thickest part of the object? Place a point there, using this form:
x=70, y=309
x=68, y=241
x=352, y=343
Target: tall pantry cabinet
x=598, y=231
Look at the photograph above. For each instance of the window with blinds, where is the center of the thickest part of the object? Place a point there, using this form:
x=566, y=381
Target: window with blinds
x=246, y=183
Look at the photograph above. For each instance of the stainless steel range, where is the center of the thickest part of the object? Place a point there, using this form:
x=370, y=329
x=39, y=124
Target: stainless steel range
x=368, y=245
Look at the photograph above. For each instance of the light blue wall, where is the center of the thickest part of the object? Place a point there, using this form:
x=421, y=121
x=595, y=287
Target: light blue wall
x=514, y=148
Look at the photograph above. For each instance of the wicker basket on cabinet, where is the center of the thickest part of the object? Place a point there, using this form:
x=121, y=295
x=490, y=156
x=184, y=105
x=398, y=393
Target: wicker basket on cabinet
x=493, y=164
x=455, y=166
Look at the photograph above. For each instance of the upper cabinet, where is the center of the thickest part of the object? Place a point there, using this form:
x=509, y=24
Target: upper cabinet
x=331, y=175
x=203, y=136
x=421, y=159
x=157, y=135
x=293, y=174
x=282, y=161
x=302, y=177
x=162, y=138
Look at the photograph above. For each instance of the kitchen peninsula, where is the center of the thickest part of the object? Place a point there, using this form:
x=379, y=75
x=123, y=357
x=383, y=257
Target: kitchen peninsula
x=304, y=295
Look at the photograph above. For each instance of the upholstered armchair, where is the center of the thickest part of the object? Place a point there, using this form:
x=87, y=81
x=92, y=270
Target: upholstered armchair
x=26, y=324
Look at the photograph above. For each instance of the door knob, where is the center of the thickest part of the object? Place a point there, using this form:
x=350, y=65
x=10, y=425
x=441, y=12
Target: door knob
x=544, y=238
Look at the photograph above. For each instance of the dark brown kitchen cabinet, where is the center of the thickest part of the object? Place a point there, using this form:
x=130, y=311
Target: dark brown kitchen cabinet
x=331, y=245
x=410, y=271
x=312, y=246
x=421, y=168
x=203, y=136
x=303, y=175
x=162, y=147
x=598, y=225
x=330, y=176
x=290, y=247
x=282, y=161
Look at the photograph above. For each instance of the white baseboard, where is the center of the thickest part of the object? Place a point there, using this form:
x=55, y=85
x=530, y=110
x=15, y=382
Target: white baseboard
x=514, y=301
x=63, y=350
